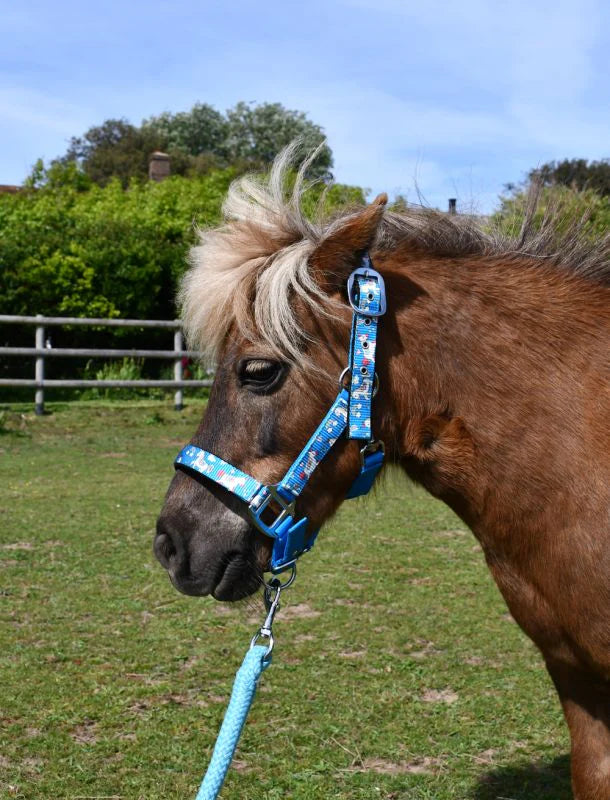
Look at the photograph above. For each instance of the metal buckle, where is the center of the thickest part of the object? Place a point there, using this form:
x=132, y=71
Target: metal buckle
x=371, y=447
x=367, y=272
x=287, y=510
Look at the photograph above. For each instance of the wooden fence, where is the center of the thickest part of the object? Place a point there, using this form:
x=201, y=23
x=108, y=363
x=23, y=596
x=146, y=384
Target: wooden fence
x=41, y=351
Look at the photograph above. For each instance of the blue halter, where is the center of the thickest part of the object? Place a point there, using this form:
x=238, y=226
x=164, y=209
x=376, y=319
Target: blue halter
x=350, y=413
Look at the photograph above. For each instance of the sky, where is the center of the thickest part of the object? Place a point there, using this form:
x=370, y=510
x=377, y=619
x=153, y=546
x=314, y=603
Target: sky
x=448, y=99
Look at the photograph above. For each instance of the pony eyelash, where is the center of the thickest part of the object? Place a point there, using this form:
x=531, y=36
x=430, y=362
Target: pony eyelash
x=257, y=365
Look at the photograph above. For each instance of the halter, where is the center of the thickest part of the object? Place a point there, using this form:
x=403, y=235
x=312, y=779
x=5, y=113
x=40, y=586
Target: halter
x=350, y=413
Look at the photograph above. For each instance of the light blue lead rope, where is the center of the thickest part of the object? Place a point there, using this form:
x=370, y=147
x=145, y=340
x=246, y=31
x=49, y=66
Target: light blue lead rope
x=244, y=688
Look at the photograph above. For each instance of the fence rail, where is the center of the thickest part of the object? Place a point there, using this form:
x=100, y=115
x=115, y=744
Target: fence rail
x=174, y=324
x=71, y=352
x=41, y=351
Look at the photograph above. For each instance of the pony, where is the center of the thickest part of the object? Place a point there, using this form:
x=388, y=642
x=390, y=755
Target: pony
x=493, y=369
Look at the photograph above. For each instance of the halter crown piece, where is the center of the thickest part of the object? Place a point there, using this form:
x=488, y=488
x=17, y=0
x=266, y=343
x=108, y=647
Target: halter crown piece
x=350, y=414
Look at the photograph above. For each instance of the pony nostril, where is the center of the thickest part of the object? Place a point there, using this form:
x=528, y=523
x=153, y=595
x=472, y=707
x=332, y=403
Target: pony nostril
x=164, y=549
x=169, y=546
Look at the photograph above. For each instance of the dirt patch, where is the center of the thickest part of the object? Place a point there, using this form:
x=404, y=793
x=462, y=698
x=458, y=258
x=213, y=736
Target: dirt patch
x=190, y=699
x=189, y=663
x=146, y=679
x=419, y=581
x=487, y=756
x=425, y=649
x=421, y=765
x=300, y=611
x=177, y=700
x=519, y=745
x=140, y=706
x=440, y=696
x=223, y=609
x=32, y=765
x=353, y=654
x=85, y=733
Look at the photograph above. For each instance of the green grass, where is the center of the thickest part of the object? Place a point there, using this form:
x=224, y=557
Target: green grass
x=397, y=672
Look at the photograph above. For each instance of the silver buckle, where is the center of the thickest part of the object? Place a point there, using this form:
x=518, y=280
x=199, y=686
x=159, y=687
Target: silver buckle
x=367, y=272
x=288, y=508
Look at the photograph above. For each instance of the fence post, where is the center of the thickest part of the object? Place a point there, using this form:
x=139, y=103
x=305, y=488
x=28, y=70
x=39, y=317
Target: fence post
x=178, y=372
x=39, y=371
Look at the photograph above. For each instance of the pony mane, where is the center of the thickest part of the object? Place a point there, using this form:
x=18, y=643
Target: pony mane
x=246, y=273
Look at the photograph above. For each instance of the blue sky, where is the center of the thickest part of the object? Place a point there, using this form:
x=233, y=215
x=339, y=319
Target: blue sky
x=458, y=97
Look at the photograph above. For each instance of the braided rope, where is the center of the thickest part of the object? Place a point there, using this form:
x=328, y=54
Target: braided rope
x=242, y=695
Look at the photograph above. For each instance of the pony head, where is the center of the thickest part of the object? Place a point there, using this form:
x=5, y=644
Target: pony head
x=265, y=301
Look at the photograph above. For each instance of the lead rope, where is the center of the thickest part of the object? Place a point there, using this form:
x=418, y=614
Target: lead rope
x=256, y=661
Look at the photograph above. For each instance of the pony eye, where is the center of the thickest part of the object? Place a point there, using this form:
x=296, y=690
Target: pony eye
x=259, y=373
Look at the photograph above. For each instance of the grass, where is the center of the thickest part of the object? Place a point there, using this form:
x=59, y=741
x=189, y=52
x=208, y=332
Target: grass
x=397, y=672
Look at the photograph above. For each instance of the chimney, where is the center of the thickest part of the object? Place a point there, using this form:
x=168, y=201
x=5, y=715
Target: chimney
x=453, y=205
x=158, y=166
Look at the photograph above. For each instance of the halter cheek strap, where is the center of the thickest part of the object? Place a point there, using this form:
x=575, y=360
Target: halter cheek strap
x=350, y=413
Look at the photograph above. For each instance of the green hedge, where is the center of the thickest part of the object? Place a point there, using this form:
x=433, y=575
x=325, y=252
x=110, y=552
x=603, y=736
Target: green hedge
x=108, y=252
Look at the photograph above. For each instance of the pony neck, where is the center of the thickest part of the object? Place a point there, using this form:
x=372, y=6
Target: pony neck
x=481, y=356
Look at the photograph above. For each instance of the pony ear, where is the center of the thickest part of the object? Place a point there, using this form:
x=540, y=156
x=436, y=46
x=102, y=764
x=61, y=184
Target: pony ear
x=341, y=249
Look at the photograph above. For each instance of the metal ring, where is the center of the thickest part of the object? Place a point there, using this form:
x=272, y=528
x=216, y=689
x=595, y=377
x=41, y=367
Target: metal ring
x=375, y=381
x=275, y=583
x=343, y=374
x=256, y=637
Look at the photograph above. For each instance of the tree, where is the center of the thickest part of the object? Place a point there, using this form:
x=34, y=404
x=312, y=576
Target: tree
x=202, y=130
x=114, y=149
x=258, y=133
x=575, y=173
x=197, y=141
